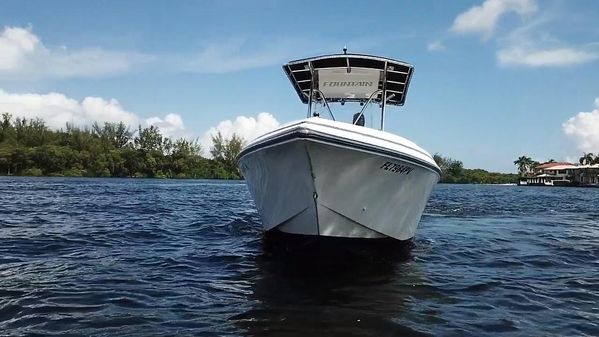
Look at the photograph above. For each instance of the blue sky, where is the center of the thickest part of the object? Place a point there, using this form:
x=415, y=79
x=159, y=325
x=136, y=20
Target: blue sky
x=494, y=79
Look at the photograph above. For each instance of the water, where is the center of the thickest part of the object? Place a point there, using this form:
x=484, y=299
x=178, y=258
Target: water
x=109, y=257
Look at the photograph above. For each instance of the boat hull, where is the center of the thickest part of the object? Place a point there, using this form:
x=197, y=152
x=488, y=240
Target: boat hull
x=304, y=183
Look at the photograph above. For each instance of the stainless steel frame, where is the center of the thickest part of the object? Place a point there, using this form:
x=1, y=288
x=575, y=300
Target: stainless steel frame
x=383, y=93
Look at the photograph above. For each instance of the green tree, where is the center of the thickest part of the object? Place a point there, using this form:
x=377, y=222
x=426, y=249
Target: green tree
x=132, y=165
x=5, y=159
x=19, y=159
x=452, y=171
x=116, y=135
x=149, y=139
x=525, y=165
x=32, y=132
x=226, y=151
x=7, y=131
x=587, y=159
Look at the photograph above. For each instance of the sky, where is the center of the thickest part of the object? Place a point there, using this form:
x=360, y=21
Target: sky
x=494, y=79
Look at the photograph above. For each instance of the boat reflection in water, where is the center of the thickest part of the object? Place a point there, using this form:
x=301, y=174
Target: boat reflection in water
x=333, y=287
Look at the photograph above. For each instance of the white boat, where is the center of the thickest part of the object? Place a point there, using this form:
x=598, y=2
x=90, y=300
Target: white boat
x=324, y=177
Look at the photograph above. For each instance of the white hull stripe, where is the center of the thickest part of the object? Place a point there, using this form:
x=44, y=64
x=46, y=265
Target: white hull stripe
x=298, y=134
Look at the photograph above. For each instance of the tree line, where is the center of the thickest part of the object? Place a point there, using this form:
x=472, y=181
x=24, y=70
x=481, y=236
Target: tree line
x=29, y=147
x=453, y=172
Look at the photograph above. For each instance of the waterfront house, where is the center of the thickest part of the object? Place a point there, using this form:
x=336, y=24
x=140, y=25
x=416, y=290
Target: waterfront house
x=562, y=174
x=588, y=175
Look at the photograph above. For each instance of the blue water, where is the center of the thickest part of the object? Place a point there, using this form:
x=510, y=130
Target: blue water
x=110, y=257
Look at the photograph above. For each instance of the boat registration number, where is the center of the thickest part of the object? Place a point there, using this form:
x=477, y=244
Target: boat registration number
x=396, y=168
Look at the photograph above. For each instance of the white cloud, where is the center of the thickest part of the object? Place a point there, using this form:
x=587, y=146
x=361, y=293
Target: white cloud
x=23, y=55
x=171, y=126
x=533, y=45
x=57, y=109
x=247, y=128
x=483, y=19
x=544, y=57
x=584, y=129
x=435, y=46
x=236, y=54
x=230, y=56
x=15, y=45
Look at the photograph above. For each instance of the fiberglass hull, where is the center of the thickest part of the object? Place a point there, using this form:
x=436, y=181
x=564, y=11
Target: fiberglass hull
x=327, y=178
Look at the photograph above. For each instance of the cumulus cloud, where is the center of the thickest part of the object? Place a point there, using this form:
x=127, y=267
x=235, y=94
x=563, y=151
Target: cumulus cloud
x=584, y=129
x=171, y=125
x=57, y=109
x=23, y=55
x=483, y=19
x=15, y=45
x=556, y=57
x=435, y=46
x=247, y=128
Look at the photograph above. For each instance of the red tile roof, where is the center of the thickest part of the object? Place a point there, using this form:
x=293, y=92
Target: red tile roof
x=548, y=165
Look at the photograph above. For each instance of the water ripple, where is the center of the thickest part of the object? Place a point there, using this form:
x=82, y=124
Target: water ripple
x=127, y=257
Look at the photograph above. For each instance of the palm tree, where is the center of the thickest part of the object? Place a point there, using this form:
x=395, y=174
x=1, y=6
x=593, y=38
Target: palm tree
x=524, y=164
x=587, y=159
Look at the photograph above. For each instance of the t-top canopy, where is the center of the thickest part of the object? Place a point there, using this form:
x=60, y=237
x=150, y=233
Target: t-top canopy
x=350, y=78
